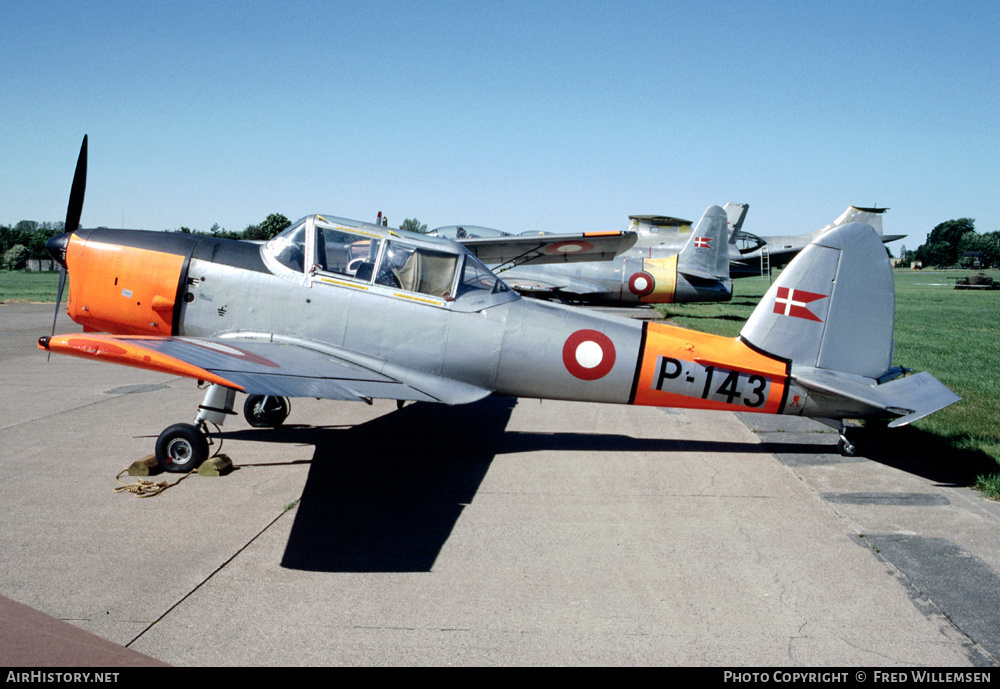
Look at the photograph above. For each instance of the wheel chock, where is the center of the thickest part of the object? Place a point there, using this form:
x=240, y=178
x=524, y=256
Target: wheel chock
x=147, y=466
x=220, y=465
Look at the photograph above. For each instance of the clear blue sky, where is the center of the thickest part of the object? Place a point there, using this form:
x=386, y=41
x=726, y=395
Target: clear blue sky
x=515, y=115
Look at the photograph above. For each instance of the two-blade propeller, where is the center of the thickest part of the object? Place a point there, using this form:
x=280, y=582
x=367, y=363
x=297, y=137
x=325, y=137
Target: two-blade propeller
x=58, y=244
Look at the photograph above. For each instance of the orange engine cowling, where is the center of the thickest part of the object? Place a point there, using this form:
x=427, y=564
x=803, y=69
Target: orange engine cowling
x=121, y=287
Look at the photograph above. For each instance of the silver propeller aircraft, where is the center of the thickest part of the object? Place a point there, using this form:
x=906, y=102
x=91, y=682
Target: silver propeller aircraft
x=346, y=310
x=643, y=275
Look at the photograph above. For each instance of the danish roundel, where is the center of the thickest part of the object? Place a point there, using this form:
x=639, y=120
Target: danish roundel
x=641, y=283
x=588, y=354
x=572, y=246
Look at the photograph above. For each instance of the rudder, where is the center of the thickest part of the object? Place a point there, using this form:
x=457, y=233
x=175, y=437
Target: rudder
x=833, y=307
x=706, y=254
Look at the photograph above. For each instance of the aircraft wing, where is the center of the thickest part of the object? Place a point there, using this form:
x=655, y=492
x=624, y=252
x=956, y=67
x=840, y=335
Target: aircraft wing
x=267, y=364
x=507, y=252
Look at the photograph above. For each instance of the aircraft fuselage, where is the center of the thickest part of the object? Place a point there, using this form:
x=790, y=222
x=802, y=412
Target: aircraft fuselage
x=169, y=284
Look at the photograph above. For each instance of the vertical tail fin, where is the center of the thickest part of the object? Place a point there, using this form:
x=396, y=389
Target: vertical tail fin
x=736, y=213
x=871, y=216
x=832, y=307
x=706, y=254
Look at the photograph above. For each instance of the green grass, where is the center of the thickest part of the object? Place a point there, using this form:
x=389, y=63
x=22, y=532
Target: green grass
x=726, y=318
x=20, y=285
x=953, y=334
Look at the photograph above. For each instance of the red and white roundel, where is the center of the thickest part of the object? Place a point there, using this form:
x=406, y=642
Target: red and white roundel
x=588, y=354
x=574, y=246
x=641, y=283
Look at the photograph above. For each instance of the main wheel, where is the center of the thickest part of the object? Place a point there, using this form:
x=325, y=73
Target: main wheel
x=181, y=448
x=846, y=447
x=265, y=411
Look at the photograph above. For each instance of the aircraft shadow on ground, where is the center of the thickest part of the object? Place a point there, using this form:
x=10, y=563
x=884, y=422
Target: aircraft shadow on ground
x=933, y=457
x=385, y=495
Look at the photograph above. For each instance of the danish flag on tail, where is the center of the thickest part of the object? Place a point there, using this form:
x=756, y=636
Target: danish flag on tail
x=703, y=242
x=792, y=302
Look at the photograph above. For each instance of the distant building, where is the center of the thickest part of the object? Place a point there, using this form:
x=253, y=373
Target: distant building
x=973, y=259
x=39, y=264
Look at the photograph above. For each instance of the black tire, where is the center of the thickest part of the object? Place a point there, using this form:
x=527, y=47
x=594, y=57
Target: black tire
x=262, y=411
x=181, y=448
x=847, y=448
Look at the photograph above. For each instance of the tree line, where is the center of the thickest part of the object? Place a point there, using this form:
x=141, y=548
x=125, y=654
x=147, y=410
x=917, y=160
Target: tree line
x=956, y=243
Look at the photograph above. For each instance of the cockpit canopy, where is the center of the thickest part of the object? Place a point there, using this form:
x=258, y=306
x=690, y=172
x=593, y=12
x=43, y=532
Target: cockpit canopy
x=747, y=242
x=467, y=232
x=331, y=249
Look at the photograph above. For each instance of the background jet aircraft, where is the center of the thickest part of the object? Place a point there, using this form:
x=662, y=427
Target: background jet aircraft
x=746, y=250
x=782, y=248
x=421, y=318
x=699, y=272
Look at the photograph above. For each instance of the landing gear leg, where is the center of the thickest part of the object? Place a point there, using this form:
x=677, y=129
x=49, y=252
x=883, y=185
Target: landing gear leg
x=183, y=446
x=266, y=411
x=845, y=446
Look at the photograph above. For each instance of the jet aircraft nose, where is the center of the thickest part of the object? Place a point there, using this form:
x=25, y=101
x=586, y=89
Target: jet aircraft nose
x=57, y=248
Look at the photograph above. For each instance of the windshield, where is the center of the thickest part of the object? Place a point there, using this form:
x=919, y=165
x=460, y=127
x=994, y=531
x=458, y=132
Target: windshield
x=476, y=276
x=289, y=247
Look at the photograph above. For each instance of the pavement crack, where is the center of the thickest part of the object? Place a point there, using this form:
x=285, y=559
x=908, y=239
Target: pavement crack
x=207, y=579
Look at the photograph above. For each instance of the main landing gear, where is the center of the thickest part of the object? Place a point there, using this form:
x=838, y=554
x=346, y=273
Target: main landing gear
x=184, y=446
x=266, y=411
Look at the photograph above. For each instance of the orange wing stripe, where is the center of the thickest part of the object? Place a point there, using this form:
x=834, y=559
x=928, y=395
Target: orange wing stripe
x=115, y=351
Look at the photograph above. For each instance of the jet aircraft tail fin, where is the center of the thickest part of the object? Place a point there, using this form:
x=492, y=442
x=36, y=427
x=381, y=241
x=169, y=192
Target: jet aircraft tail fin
x=870, y=216
x=736, y=213
x=833, y=306
x=706, y=254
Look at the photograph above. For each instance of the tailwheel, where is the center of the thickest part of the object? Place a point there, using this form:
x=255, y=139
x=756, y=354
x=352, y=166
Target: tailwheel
x=846, y=447
x=266, y=411
x=181, y=448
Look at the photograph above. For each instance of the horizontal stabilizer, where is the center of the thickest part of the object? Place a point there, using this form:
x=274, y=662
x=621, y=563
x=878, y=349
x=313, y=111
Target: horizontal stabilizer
x=910, y=398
